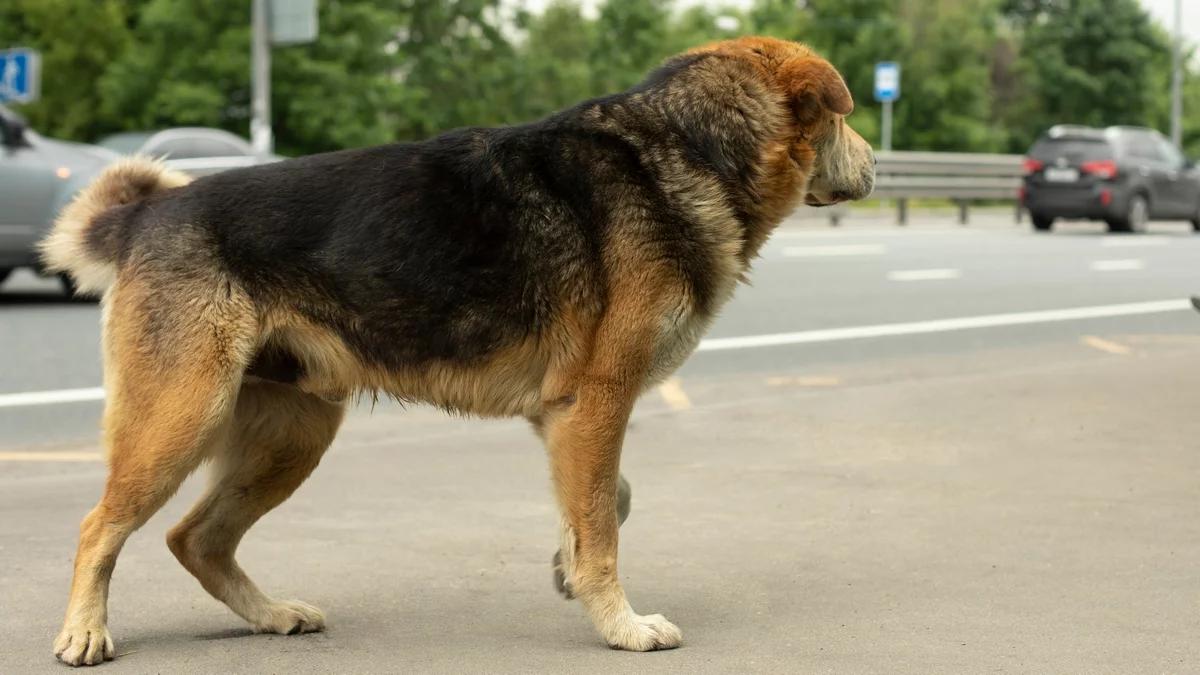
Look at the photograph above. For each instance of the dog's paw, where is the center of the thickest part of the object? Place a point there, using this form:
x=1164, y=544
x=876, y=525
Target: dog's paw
x=643, y=633
x=79, y=645
x=560, y=577
x=290, y=618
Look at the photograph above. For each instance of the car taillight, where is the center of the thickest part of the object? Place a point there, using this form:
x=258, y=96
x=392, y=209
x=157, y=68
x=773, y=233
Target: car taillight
x=1102, y=168
x=1032, y=165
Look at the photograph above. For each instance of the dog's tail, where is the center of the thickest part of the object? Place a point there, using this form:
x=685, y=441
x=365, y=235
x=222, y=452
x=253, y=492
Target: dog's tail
x=86, y=245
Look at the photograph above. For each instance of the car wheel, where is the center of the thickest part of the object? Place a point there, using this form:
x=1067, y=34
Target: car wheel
x=4, y=272
x=1195, y=221
x=68, y=285
x=1041, y=223
x=1137, y=214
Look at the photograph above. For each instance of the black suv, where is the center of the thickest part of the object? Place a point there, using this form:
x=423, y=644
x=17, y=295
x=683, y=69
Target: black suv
x=1125, y=176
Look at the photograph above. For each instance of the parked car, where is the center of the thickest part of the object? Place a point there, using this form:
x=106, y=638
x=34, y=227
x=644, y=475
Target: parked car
x=1124, y=176
x=38, y=176
x=193, y=150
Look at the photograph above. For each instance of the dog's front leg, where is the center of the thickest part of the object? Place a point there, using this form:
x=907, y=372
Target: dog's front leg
x=584, y=441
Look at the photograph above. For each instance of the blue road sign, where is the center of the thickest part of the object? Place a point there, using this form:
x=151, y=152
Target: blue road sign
x=20, y=75
x=887, y=81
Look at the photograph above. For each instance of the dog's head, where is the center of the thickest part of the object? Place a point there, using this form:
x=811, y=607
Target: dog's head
x=834, y=162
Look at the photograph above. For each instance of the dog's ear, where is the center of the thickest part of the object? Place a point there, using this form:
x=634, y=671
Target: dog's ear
x=814, y=81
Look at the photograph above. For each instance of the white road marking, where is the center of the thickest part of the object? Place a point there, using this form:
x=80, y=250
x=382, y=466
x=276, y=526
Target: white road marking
x=673, y=393
x=1105, y=345
x=838, y=233
x=924, y=275
x=944, y=325
x=1117, y=265
x=804, y=381
x=834, y=250
x=47, y=397
x=1134, y=242
x=672, y=387
x=51, y=456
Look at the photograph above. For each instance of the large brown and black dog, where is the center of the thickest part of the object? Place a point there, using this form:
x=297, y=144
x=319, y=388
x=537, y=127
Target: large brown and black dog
x=553, y=270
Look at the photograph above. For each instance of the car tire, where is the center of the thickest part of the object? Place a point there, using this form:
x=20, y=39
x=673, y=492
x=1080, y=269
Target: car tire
x=1042, y=223
x=1137, y=214
x=68, y=285
x=1195, y=221
x=4, y=272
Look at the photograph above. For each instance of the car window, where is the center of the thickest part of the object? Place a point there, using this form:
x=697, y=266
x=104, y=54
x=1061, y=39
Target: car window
x=1073, y=149
x=1170, y=153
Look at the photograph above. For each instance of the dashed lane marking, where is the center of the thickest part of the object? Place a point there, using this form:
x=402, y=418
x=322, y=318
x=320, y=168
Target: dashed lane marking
x=672, y=392
x=938, y=274
x=1117, y=265
x=1106, y=345
x=834, y=250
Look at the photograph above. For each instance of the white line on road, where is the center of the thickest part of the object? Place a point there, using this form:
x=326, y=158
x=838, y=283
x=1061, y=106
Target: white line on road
x=924, y=275
x=834, y=250
x=776, y=339
x=944, y=325
x=1133, y=242
x=47, y=397
x=1117, y=265
x=833, y=233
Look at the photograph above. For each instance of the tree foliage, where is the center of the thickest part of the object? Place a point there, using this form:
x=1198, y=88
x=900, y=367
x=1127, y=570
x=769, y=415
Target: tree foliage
x=978, y=75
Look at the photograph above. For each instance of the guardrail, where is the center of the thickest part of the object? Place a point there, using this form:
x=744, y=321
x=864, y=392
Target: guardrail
x=957, y=176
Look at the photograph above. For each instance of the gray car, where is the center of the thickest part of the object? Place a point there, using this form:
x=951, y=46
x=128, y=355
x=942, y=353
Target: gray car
x=38, y=176
x=194, y=150
x=1125, y=176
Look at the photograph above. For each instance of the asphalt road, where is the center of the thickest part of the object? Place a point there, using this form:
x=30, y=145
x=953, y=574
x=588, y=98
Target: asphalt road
x=935, y=449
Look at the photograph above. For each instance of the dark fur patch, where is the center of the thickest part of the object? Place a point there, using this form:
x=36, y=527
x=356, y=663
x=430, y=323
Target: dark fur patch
x=456, y=247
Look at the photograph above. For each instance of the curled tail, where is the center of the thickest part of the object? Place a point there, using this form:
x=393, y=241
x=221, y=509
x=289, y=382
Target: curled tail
x=86, y=246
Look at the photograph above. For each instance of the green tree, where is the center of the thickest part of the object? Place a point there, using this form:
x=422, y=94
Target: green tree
x=631, y=39
x=946, y=99
x=1096, y=62
x=78, y=41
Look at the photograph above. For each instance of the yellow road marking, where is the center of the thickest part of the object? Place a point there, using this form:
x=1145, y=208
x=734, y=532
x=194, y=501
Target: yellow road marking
x=1106, y=345
x=804, y=381
x=673, y=393
x=51, y=457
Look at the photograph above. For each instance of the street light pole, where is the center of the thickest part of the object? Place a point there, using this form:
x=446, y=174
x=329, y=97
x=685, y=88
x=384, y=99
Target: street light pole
x=260, y=80
x=1177, y=77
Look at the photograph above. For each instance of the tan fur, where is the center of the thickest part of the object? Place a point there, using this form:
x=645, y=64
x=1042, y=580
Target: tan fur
x=126, y=181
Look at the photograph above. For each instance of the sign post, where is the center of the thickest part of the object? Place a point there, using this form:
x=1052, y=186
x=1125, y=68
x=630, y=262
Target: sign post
x=20, y=75
x=887, y=90
x=281, y=22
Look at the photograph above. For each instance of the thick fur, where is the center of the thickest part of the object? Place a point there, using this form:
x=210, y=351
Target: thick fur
x=76, y=246
x=553, y=270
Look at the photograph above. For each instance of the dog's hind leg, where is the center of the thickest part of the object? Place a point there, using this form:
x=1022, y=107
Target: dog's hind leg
x=276, y=439
x=173, y=360
x=624, y=505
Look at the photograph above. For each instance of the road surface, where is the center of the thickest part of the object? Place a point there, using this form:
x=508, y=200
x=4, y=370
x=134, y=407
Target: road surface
x=925, y=450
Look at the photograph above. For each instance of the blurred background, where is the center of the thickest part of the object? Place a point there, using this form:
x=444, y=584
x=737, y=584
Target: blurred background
x=979, y=75
x=954, y=434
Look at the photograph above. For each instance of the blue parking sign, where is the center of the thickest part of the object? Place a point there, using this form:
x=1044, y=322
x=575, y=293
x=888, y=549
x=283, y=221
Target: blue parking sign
x=887, y=81
x=20, y=75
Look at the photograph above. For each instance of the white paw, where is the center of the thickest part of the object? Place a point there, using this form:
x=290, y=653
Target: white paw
x=290, y=618
x=643, y=633
x=79, y=645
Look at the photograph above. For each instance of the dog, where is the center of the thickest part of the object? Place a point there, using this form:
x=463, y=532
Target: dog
x=554, y=271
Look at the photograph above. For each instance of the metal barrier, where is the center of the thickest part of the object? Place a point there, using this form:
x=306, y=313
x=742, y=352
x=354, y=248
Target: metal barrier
x=957, y=176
